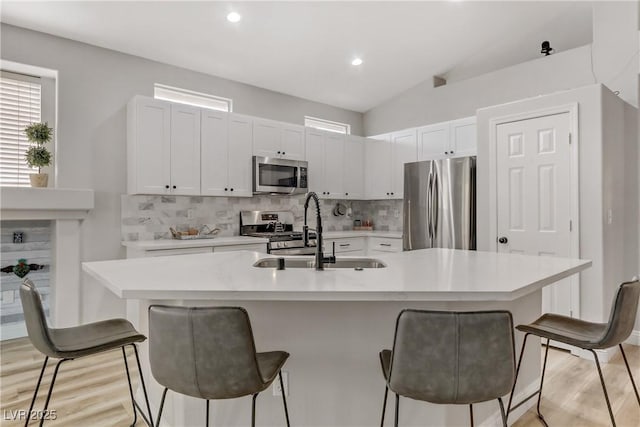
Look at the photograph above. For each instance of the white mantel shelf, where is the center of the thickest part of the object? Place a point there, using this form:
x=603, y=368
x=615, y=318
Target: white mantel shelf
x=25, y=203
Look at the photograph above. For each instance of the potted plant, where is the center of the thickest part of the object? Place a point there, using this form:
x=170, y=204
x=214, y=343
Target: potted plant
x=37, y=155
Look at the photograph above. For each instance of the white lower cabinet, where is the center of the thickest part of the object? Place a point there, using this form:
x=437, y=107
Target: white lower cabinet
x=383, y=244
x=133, y=252
x=362, y=246
x=262, y=247
x=349, y=246
x=141, y=253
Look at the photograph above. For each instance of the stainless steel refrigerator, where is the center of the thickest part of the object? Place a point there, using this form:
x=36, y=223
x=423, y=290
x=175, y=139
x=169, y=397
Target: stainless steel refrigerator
x=440, y=204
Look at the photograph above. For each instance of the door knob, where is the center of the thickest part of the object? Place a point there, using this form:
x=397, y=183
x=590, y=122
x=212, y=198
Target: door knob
x=503, y=240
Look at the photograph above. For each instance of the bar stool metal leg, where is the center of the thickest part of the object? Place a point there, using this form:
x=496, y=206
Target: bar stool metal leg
x=604, y=387
x=397, y=410
x=144, y=390
x=633, y=383
x=164, y=394
x=544, y=368
x=53, y=381
x=253, y=409
x=502, y=413
x=133, y=400
x=284, y=399
x=384, y=404
x=471, y=413
x=538, y=392
x=35, y=393
x=207, y=414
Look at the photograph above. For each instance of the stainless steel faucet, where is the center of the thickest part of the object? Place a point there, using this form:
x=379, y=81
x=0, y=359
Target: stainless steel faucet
x=320, y=258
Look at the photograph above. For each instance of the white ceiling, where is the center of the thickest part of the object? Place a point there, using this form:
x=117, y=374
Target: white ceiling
x=305, y=48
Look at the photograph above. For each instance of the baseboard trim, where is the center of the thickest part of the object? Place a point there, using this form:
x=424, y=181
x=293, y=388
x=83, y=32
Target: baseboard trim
x=634, y=338
x=495, y=419
x=13, y=330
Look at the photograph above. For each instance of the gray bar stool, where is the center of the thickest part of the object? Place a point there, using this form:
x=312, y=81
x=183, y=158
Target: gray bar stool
x=586, y=335
x=78, y=341
x=209, y=353
x=450, y=358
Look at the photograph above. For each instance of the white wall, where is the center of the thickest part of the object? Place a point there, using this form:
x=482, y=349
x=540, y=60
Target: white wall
x=424, y=104
x=615, y=47
x=606, y=135
x=94, y=85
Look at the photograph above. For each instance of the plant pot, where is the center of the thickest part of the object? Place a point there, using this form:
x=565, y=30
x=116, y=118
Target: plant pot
x=39, y=179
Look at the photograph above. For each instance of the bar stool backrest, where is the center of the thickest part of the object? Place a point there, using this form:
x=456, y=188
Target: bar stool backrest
x=35, y=319
x=453, y=357
x=204, y=352
x=623, y=315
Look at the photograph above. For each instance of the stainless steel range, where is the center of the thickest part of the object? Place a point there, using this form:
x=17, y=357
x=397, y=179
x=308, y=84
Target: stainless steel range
x=277, y=226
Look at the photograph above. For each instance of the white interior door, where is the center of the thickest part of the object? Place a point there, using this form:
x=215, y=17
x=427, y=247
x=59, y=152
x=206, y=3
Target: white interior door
x=534, y=195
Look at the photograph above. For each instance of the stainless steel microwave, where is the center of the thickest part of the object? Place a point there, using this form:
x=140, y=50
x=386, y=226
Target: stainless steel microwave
x=273, y=175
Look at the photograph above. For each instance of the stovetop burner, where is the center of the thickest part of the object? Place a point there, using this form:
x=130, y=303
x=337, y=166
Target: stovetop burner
x=277, y=226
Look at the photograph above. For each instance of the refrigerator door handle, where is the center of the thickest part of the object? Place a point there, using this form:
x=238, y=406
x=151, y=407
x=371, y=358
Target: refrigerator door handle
x=436, y=205
x=429, y=205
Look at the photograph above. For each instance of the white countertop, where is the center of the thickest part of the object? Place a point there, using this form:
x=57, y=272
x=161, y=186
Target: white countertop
x=423, y=275
x=151, y=245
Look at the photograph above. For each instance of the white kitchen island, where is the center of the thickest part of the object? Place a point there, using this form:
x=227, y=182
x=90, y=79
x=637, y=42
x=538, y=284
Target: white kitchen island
x=334, y=323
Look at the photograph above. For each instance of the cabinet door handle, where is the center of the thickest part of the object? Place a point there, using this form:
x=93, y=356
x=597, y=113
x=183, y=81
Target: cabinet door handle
x=446, y=152
x=174, y=187
x=344, y=245
x=385, y=244
x=283, y=153
x=225, y=189
x=451, y=152
x=232, y=189
x=392, y=193
x=166, y=186
x=346, y=194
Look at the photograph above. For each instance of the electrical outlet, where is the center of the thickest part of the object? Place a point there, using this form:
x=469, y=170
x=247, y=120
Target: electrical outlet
x=277, y=390
x=189, y=213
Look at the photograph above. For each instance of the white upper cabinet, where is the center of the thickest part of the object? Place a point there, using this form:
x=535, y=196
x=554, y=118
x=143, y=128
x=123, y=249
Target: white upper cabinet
x=403, y=150
x=276, y=139
x=377, y=182
x=464, y=139
x=353, y=175
x=240, y=149
x=163, y=147
x=185, y=150
x=325, y=154
x=384, y=167
x=226, y=154
x=456, y=138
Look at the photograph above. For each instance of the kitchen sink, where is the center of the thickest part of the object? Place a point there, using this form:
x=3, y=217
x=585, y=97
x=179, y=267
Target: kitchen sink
x=356, y=263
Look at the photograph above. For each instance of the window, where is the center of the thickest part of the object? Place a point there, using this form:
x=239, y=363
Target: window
x=20, y=105
x=322, y=124
x=189, y=97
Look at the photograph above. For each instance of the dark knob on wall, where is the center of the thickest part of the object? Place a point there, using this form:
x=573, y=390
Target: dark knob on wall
x=232, y=189
x=225, y=189
x=174, y=187
x=503, y=240
x=166, y=186
x=278, y=152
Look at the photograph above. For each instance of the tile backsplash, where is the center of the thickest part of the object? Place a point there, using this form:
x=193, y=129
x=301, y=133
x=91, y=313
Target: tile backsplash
x=149, y=217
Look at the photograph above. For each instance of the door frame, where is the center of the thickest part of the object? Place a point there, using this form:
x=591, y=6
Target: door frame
x=574, y=184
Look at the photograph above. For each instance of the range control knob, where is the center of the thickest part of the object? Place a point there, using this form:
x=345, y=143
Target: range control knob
x=502, y=240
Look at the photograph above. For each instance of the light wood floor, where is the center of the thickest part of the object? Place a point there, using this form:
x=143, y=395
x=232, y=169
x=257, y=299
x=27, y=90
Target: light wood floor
x=93, y=391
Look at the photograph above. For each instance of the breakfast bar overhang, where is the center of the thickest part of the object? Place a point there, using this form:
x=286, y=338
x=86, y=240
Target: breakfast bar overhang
x=334, y=323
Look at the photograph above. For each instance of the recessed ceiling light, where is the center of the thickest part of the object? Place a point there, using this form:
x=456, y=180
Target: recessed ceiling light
x=356, y=61
x=234, y=17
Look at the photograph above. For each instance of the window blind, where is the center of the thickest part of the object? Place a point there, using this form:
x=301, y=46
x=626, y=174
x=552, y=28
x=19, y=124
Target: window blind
x=20, y=105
